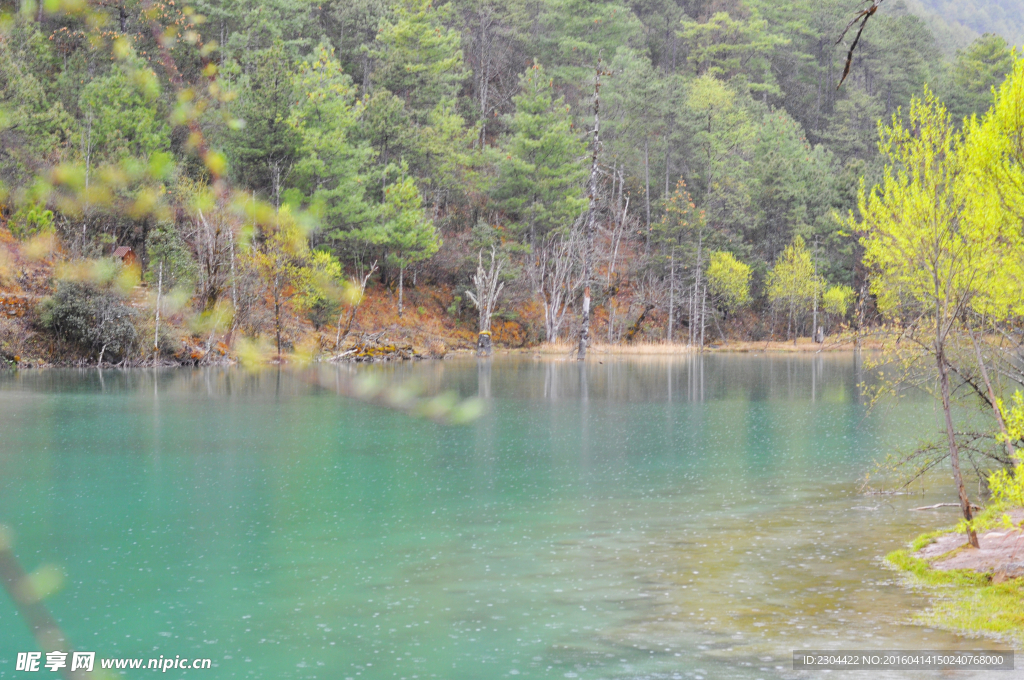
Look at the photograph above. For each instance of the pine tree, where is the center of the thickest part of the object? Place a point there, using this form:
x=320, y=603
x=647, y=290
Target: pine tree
x=406, y=232
x=332, y=165
x=979, y=68
x=419, y=58
x=263, y=152
x=122, y=114
x=34, y=126
x=541, y=174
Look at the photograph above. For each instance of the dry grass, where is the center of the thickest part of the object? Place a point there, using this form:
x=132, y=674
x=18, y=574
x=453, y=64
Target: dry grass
x=836, y=343
x=802, y=345
x=636, y=348
x=654, y=348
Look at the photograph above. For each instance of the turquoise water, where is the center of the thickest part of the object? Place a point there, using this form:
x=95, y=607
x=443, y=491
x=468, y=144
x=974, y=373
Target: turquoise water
x=648, y=518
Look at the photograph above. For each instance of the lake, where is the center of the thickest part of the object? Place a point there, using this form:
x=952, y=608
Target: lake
x=692, y=517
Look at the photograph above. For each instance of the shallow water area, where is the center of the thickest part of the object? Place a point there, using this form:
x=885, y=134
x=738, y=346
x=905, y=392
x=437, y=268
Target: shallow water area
x=686, y=517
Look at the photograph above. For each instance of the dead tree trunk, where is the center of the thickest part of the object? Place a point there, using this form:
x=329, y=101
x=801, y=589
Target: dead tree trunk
x=591, y=224
x=401, y=286
x=635, y=328
x=671, y=297
x=488, y=289
x=355, y=307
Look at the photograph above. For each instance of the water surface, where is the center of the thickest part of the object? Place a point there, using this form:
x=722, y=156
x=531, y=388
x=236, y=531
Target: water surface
x=637, y=518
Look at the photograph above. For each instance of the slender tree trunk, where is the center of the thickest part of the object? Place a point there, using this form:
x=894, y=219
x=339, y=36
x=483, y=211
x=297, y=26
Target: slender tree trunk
x=355, y=306
x=591, y=223
x=697, y=287
x=277, y=313
x=691, y=312
x=647, y=187
x=814, y=327
x=401, y=281
x=703, y=315
x=275, y=172
x=668, y=156
x=234, y=281
x=789, y=326
x=485, y=55
x=954, y=452
x=671, y=297
x=159, y=291
x=992, y=398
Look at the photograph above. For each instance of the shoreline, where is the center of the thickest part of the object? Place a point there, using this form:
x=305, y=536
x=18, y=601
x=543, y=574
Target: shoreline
x=974, y=592
x=410, y=354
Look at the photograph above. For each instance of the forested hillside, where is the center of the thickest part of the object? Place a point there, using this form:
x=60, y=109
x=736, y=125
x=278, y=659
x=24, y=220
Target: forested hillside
x=1003, y=17
x=676, y=166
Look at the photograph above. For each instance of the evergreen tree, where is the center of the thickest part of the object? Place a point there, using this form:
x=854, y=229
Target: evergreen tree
x=352, y=27
x=419, y=58
x=34, y=127
x=540, y=173
x=978, y=69
x=580, y=33
x=332, y=163
x=262, y=153
x=406, y=232
x=728, y=49
x=790, y=186
x=122, y=114
x=722, y=135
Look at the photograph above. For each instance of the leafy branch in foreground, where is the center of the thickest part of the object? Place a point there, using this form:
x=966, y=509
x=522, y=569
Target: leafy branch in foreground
x=863, y=17
x=28, y=592
x=944, y=252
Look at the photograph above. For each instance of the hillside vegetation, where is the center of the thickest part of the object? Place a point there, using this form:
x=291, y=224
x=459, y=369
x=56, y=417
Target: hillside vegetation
x=1002, y=17
x=271, y=163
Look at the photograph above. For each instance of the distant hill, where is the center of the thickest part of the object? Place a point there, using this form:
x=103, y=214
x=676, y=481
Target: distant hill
x=1003, y=17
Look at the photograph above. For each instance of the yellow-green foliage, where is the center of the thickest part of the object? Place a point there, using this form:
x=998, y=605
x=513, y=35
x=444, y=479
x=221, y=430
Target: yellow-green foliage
x=1013, y=417
x=837, y=300
x=994, y=196
x=320, y=280
x=965, y=601
x=941, y=233
x=729, y=279
x=1007, y=486
x=31, y=219
x=792, y=278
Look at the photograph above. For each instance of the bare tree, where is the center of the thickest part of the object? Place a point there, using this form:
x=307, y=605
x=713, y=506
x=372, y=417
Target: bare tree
x=590, y=226
x=621, y=223
x=649, y=290
x=488, y=289
x=557, y=278
x=355, y=306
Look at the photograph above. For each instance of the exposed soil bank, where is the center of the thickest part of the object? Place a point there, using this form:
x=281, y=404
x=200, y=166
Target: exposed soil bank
x=976, y=592
x=1001, y=553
